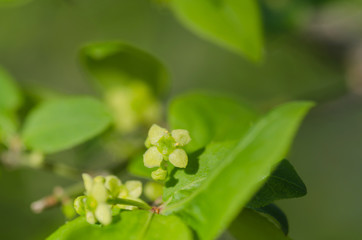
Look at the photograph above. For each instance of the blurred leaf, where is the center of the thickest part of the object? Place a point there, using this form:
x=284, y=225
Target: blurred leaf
x=209, y=117
x=283, y=183
x=8, y=126
x=233, y=24
x=130, y=80
x=142, y=225
x=275, y=212
x=209, y=204
x=10, y=96
x=251, y=225
x=61, y=124
x=112, y=63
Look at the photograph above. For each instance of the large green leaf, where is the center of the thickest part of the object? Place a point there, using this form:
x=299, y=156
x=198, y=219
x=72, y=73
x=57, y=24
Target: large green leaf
x=133, y=225
x=61, y=124
x=113, y=63
x=234, y=24
x=209, y=117
x=251, y=225
x=211, y=202
x=283, y=183
x=10, y=97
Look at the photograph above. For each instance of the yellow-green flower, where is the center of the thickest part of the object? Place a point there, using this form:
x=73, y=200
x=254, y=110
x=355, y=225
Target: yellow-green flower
x=164, y=146
x=94, y=205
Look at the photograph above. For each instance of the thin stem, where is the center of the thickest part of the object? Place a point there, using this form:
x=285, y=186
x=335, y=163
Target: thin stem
x=57, y=197
x=130, y=202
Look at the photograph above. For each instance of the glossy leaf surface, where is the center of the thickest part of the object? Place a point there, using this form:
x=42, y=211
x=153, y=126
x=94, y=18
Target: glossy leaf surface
x=208, y=204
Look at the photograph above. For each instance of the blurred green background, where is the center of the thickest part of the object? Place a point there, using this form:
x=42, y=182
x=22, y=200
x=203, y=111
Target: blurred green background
x=313, y=51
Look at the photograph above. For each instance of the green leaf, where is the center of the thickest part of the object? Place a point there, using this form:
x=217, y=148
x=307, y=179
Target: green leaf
x=8, y=126
x=130, y=81
x=233, y=24
x=283, y=183
x=133, y=225
x=61, y=124
x=10, y=96
x=114, y=63
x=274, y=211
x=209, y=117
x=251, y=225
x=211, y=202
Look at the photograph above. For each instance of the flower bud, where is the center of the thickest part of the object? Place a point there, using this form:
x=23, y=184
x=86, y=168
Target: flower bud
x=153, y=190
x=156, y=133
x=159, y=174
x=181, y=136
x=103, y=214
x=178, y=158
x=134, y=188
x=79, y=203
x=152, y=158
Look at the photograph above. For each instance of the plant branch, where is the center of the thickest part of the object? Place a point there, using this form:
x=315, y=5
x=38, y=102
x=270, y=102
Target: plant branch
x=59, y=195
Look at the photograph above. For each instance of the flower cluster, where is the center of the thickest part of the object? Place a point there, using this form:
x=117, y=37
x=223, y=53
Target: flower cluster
x=164, y=147
x=96, y=204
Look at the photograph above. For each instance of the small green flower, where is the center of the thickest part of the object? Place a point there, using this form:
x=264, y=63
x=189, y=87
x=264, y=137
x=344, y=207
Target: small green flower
x=95, y=205
x=132, y=105
x=164, y=146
